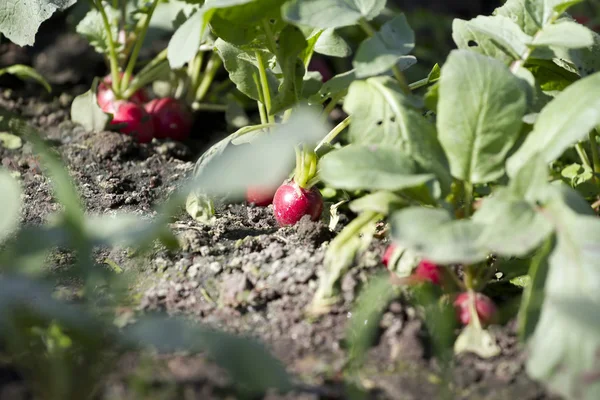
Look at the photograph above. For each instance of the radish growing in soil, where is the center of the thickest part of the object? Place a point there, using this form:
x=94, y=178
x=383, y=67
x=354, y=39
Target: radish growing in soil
x=484, y=306
x=107, y=99
x=171, y=118
x=133, y=120
x=298, y=197
x=428, y=272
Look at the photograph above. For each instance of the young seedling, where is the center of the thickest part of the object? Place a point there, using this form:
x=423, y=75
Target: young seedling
x=298, y=197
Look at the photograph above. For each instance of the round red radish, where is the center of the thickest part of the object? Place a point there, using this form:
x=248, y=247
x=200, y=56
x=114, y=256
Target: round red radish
x=484, y=306
x=106, y=97
x=291, y=203
x=428, y=271
x=318, y=64
x=132, y=119
x=387, y=255
x=171, y=118
x=260, y=196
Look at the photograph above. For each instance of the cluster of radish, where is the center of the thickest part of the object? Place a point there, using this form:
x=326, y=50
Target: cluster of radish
x=432, y=273
x=143, y=118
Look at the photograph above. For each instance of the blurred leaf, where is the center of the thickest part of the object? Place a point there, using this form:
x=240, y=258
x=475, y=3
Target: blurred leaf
x=91, y=27
x=383, y=115
x=264, y=162
x=564, y=34
x=10, y=204
x=25, y=72
x=562, y=123
x=10, y=141
x=434, y=235
x=564, y=348
x=356, y=167
x=238, y=356
x=200, y=207
x=533, y=295
x=86, y=111
x=475, y=339
x=479, y=116
x=382, y=51
x=366, y=315
x=20, y=21
x=331, y=13
x=381, y=202
x=551, y=77
x=469, y=38
x=339, y=257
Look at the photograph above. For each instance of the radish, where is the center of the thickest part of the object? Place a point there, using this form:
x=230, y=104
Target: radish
x=387, y=255
x=484, y=306
x=132, y=119
x=106, y=97
x=428, y=271
x=319, y=64
x=171, y=118
x=260, y=196
x=297, y=197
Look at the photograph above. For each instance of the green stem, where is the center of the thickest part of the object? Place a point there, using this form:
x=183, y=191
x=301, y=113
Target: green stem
x=468, y=198
x=138, y=46
x=368, y=29
x=595, y=154
x=212, y=67
x=334, y=101
x=419, y=84
x=333, y=134
x=112, y=52
x=156, y=67
x=264, y=84
x=195, y=71
x=583, y=155
x=261, y=101
x=196, y=106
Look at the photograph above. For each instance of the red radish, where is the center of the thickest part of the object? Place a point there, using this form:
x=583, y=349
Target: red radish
x=106, y=97
x=291, y=203
x=259, y=196
x=387, y=255
x=131, y=119
x=318, y=64
x=484, y=306
x=171, y=118
x=428, y=271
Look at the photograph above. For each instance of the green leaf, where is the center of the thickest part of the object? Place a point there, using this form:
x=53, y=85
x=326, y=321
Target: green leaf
x=20, y=20
x=521, y=13
x=503, y=31
x=331, y=44
x=238, y=356
x=91, y=27
x=383, y=115
x=564, y=347
x=562, y=123
x=24, y=72
x=434, y=235
x=383, y=50
x=371, y=168
x=10, y=204
x=291, y=45
x=243, y=70
x=480, y=109
x=366, y=315
x=543, y=11
x=564, y=34
x=551, y=77
x=467, y=37
x=586, y=60
x=381, y=202
x=533, y=295
x=331, y=13
x=185, y=42
x=475, y=339
x=200, y=207
x=86, y=111
x=245, y=12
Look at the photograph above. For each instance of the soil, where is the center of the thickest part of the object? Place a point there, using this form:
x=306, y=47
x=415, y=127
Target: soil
x=242, y=274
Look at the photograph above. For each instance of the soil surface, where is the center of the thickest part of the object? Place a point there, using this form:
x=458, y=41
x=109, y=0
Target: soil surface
x=242, y=274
